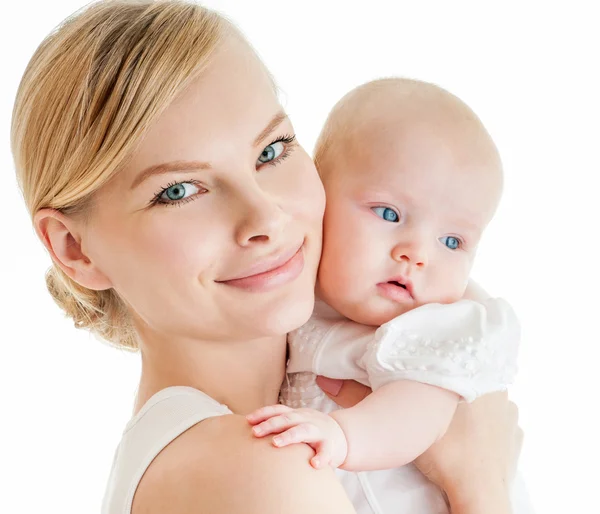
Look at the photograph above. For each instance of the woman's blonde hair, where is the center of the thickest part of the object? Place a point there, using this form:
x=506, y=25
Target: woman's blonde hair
x=90, y=91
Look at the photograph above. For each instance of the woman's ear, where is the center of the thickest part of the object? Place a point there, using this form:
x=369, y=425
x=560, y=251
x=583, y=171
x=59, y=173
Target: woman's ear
x=61, y=237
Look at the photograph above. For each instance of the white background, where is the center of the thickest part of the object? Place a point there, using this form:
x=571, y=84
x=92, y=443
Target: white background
x=529, y=70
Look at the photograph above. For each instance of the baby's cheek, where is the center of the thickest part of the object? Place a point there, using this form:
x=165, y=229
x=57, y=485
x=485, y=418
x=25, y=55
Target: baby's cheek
x=335, y=284
x=451, y=284
x=331, y=268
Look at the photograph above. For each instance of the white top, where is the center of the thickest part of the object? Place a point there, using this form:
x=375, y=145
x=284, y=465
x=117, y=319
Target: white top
x=466, y=347
x=172, y=411
x=164, y=417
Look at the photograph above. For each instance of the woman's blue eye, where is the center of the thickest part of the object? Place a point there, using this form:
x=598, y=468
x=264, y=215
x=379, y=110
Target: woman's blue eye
x=271, y=152
x=177, y=192
x=387, y=214
x=451, y=242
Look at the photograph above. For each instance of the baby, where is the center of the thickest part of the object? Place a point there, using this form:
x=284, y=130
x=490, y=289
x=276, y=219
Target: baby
x=412, y=178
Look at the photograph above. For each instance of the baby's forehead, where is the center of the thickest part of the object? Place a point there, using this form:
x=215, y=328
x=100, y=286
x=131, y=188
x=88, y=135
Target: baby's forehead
x=424, y=141
x=389, y=110
x=402, y=140
x=420, y=147
x=423, y=170
x=459, y=205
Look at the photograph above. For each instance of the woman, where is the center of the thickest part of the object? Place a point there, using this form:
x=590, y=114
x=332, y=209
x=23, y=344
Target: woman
x=132, y=108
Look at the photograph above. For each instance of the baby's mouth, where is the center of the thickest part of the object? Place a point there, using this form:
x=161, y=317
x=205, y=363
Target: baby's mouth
x=401, y=282
x=395, y=283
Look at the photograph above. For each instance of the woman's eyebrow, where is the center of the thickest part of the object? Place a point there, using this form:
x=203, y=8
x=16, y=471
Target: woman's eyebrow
x=183, y=166
x=167, y=167
x=277, y=119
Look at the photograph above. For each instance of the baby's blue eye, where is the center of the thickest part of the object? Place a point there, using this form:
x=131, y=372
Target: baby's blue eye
x=451, y=242
x=387, y=214
x=271, y=152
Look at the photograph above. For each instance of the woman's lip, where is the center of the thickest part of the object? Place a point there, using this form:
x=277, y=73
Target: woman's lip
x=269, y=263
x=271, y=273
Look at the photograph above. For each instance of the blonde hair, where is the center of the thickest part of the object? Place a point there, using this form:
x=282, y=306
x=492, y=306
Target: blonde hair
x=90, y=91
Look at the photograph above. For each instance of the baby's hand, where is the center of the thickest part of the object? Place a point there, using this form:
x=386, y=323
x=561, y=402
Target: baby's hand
x=320, y=431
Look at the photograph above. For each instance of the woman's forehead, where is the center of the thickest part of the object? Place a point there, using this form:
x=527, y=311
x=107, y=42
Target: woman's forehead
x=229, y=103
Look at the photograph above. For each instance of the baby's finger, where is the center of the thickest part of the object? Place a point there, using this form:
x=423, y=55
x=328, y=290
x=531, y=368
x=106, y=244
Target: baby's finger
x=302, y=433
x=265, y=413
x=323, y=456
x=278, y=424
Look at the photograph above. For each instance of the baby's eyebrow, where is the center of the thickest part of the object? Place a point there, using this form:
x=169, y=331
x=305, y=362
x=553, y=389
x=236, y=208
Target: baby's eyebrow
x=467, y=224
x=470, y=230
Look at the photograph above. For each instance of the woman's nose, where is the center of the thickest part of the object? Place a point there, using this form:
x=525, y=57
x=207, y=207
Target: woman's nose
x=261, y=218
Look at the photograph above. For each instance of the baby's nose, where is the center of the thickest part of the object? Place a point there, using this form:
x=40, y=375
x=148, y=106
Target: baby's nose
x=413, y=253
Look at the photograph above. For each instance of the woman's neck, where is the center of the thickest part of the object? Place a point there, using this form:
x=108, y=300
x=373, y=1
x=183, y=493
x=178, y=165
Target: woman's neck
x=242, y=375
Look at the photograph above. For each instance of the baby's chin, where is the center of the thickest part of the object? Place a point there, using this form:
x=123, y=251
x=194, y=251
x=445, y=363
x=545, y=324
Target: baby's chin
x=375, y=312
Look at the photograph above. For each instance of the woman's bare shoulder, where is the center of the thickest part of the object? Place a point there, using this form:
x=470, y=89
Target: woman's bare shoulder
x=217, y=466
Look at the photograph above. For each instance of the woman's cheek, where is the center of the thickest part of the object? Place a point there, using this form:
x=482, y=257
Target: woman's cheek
x=310, y=195
x=315, y=189
x=182, y=244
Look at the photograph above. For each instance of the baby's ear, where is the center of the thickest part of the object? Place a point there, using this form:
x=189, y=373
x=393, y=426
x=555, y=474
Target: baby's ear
x=61, y=237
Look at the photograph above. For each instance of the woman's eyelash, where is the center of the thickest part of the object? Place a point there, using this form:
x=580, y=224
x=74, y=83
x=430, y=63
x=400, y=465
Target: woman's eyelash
x=156, y=198
x=289, y=140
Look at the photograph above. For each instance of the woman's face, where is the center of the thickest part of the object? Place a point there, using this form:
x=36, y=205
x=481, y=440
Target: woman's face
x=213, y=230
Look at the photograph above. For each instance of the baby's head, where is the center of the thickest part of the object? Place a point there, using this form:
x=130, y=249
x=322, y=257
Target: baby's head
x=412, y=179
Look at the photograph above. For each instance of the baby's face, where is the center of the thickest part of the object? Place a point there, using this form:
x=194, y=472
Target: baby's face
x=405, y=211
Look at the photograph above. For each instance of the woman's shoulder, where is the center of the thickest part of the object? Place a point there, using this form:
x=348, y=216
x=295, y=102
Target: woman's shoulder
x=217, y=466
x=165, y=416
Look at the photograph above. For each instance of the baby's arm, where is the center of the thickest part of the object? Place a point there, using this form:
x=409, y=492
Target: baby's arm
x=395, y=424
x=419, y=365
x=467, y=347
x=389, y=428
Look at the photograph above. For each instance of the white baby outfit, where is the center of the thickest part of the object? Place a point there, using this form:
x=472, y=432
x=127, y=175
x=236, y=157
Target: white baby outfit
x=466, y=347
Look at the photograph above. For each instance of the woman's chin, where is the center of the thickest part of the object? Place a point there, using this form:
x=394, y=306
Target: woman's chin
x=286, y=316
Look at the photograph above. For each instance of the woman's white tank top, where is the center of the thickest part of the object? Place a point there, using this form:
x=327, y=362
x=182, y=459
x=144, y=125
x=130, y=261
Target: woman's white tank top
x=163, y=418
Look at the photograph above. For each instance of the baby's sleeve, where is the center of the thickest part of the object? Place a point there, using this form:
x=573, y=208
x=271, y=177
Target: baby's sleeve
x=332, y=349
x=466, y=347
x=305, y=343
